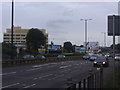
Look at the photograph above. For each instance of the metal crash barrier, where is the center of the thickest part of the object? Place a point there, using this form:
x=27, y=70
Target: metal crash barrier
x=92, y=81
x=10, y=62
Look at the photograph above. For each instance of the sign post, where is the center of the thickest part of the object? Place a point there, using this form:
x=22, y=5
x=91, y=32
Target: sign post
x=114, y=30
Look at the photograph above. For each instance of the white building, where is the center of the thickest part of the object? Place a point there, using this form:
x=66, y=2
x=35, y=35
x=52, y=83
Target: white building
x=92, y=45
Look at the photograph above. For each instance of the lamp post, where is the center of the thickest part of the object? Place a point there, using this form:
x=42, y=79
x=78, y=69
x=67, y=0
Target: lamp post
x=12, y=19
x=104, y=38
x=85, y=20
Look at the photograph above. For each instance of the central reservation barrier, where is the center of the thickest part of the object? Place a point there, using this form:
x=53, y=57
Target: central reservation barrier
x=13, y=62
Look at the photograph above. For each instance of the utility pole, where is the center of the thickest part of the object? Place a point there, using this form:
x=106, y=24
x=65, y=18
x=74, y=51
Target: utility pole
x=104, y=38
x=12, y=19
x=85, y=20
x=113, y=51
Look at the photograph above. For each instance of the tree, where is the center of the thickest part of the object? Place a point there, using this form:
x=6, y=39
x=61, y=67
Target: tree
x=81, y=45
x=73, y=48
x=35, y=39
x=68, y=47
x=117, y=47
x=6, y=50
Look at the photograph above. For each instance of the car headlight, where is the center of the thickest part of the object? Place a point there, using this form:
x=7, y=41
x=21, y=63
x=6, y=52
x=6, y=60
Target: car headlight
x=115, y=57
x=103, y=62
x=95, y=62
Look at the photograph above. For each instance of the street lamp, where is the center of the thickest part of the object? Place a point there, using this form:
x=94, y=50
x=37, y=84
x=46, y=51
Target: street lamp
x=85, y=20
x=104, y=38
x=12, y=19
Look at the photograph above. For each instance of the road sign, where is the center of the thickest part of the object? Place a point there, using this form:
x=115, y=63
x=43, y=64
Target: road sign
x=116, y=23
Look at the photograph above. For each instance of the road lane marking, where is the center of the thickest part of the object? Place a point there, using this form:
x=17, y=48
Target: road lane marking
x=65, y=66
x=53, y=63
x=65, y=70
x=40, y=65
x=11, y=85
x=56, y=77
x=35, y=78
x=43, y=76
x=29, y=86
x=46, y=76
x=8, y=73
x=33, y=69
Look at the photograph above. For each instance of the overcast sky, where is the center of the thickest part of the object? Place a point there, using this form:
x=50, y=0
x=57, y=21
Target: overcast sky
x=62, y=19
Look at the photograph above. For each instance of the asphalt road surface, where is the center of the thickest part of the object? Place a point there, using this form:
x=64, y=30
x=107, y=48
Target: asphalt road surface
x=48, y=75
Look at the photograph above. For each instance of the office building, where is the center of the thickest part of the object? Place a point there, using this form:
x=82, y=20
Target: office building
x=19, y=36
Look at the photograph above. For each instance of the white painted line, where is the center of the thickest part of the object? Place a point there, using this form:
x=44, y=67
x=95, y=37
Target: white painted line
x=29, y=86
x=53, y=63
x=8, y=73
x=46, y=76
x=56, y=77
x=65, y=66
x=98, y=68
x=33, y=69
x=11, y=85
x=35, y=78
x=40, y=65
x=65, y=70
x=42, y=76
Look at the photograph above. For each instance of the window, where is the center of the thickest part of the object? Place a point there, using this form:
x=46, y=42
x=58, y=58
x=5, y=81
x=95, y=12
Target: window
x=22, y=35
x=6, y=34
x=6, y=38
x=17, y=35
x=17, y=38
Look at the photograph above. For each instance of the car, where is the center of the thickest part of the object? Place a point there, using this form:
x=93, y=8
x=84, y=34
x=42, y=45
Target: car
x=40, y=57
x=28, y=57
x=61, y=56
x=86, y=57
x=93, y=57
x=117, y=56
x=101, y=61
x=107, y=55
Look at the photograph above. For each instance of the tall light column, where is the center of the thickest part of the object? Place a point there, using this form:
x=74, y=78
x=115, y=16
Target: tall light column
x=85, y=20
x=104, y=38
x=12, y=19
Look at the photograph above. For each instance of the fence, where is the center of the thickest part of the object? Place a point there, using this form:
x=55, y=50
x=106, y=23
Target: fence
x=93, y=81
x=10, y=62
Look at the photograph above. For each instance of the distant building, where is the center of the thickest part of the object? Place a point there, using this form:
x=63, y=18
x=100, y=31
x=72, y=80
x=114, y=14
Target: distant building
x=79, y=49
x=19, y=36
x=118, y=39
x=91, y=46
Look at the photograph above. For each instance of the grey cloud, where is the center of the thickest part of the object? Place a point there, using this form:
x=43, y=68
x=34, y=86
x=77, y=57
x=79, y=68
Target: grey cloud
x=68, y=12
x=61, y=20
x=57, y=23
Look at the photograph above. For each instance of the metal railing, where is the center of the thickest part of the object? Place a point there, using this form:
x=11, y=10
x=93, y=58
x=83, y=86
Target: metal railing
x=92, y=81
x=31, y=61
